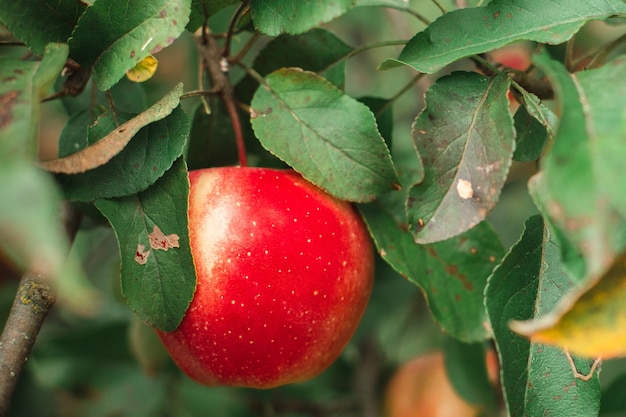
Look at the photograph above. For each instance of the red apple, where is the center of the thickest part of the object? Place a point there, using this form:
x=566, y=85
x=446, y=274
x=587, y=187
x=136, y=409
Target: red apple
x=284, y=271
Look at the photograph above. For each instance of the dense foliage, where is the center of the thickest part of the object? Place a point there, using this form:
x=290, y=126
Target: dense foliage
x=482, y=142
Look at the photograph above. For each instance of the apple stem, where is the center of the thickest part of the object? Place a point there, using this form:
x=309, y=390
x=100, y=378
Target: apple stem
x=229, y=102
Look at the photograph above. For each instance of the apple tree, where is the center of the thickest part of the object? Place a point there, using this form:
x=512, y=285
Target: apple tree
x=480, y=142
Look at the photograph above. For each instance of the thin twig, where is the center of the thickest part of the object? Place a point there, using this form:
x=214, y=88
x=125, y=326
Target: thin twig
x=216, y=65
x=241, y=10
x=400, y=93
x=245, y=49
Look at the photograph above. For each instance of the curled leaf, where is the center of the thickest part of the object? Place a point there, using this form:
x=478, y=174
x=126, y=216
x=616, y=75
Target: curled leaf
x=102, y=151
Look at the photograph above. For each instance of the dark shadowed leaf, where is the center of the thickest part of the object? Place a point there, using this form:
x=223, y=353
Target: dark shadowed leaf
x=581, y=184
x=158, y=276
x=467, y=369
x=201, y=9
x=211, y=140
x=452, y=274
x=273, y=17
x=465, y=137
x=145, y=159
x=462, y=33
x=126, y=95
x=112, y=144
x=126, y=35
x=318, y=50
x=327, y=136
x=537, y=379
x=531, y=137
x=60, y=18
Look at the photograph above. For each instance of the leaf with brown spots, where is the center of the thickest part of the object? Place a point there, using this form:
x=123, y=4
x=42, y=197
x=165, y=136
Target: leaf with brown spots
x=595, y=326
x=537, y=379
x=106, y=148
x=465, y=138
x=158, y=276
x=466, y=32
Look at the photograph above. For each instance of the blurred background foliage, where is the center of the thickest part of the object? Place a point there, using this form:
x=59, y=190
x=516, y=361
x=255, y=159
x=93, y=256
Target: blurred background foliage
x=109, y=364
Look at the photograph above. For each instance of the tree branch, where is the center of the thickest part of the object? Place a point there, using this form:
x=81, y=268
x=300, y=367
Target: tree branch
x=32, y=302
x=216, y=65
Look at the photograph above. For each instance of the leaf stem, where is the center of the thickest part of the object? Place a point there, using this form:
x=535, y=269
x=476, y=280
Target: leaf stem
x=599, y=58
x=439, y=6
x=419, y=16
x=241, y=10
x=400, y=93
x=364, y=48
x=245, y=49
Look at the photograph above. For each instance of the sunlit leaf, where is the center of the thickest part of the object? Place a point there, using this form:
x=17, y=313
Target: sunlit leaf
x=126, y=35
x=465, y=138
x=596, y=324
x=465, y=32
x=158, y=276
x=327, y=136
x=537, y=379
x=144, y=70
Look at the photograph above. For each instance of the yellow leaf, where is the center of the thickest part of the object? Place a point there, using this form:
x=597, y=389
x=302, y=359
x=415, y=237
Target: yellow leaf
x=144, y=69
x=595, y=326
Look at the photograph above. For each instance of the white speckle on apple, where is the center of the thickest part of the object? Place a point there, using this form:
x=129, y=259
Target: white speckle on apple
x=249, y=253
x=233, y=302
x=316, y=292
x=295, y=220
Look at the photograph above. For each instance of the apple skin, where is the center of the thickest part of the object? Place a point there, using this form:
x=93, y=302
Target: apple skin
x=420, y=387
x=284, y=273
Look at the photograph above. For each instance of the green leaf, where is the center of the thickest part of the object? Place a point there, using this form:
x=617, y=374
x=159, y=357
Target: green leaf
x=273, y=17
x=126, y=35
x=24, y=84
x=127, y=96
x=537, y=379
x=318, y=51
x=112, y=144
x=158, y=276
x=60, y=18
x=211, y=140
x=462, y=33
x=327, y=136
x=465, y=138
x=594, y=326
x=467, y=370
x=144, y=160
x=452, y=274
x=210, y=7
x=531, y=137
x=581, y=187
